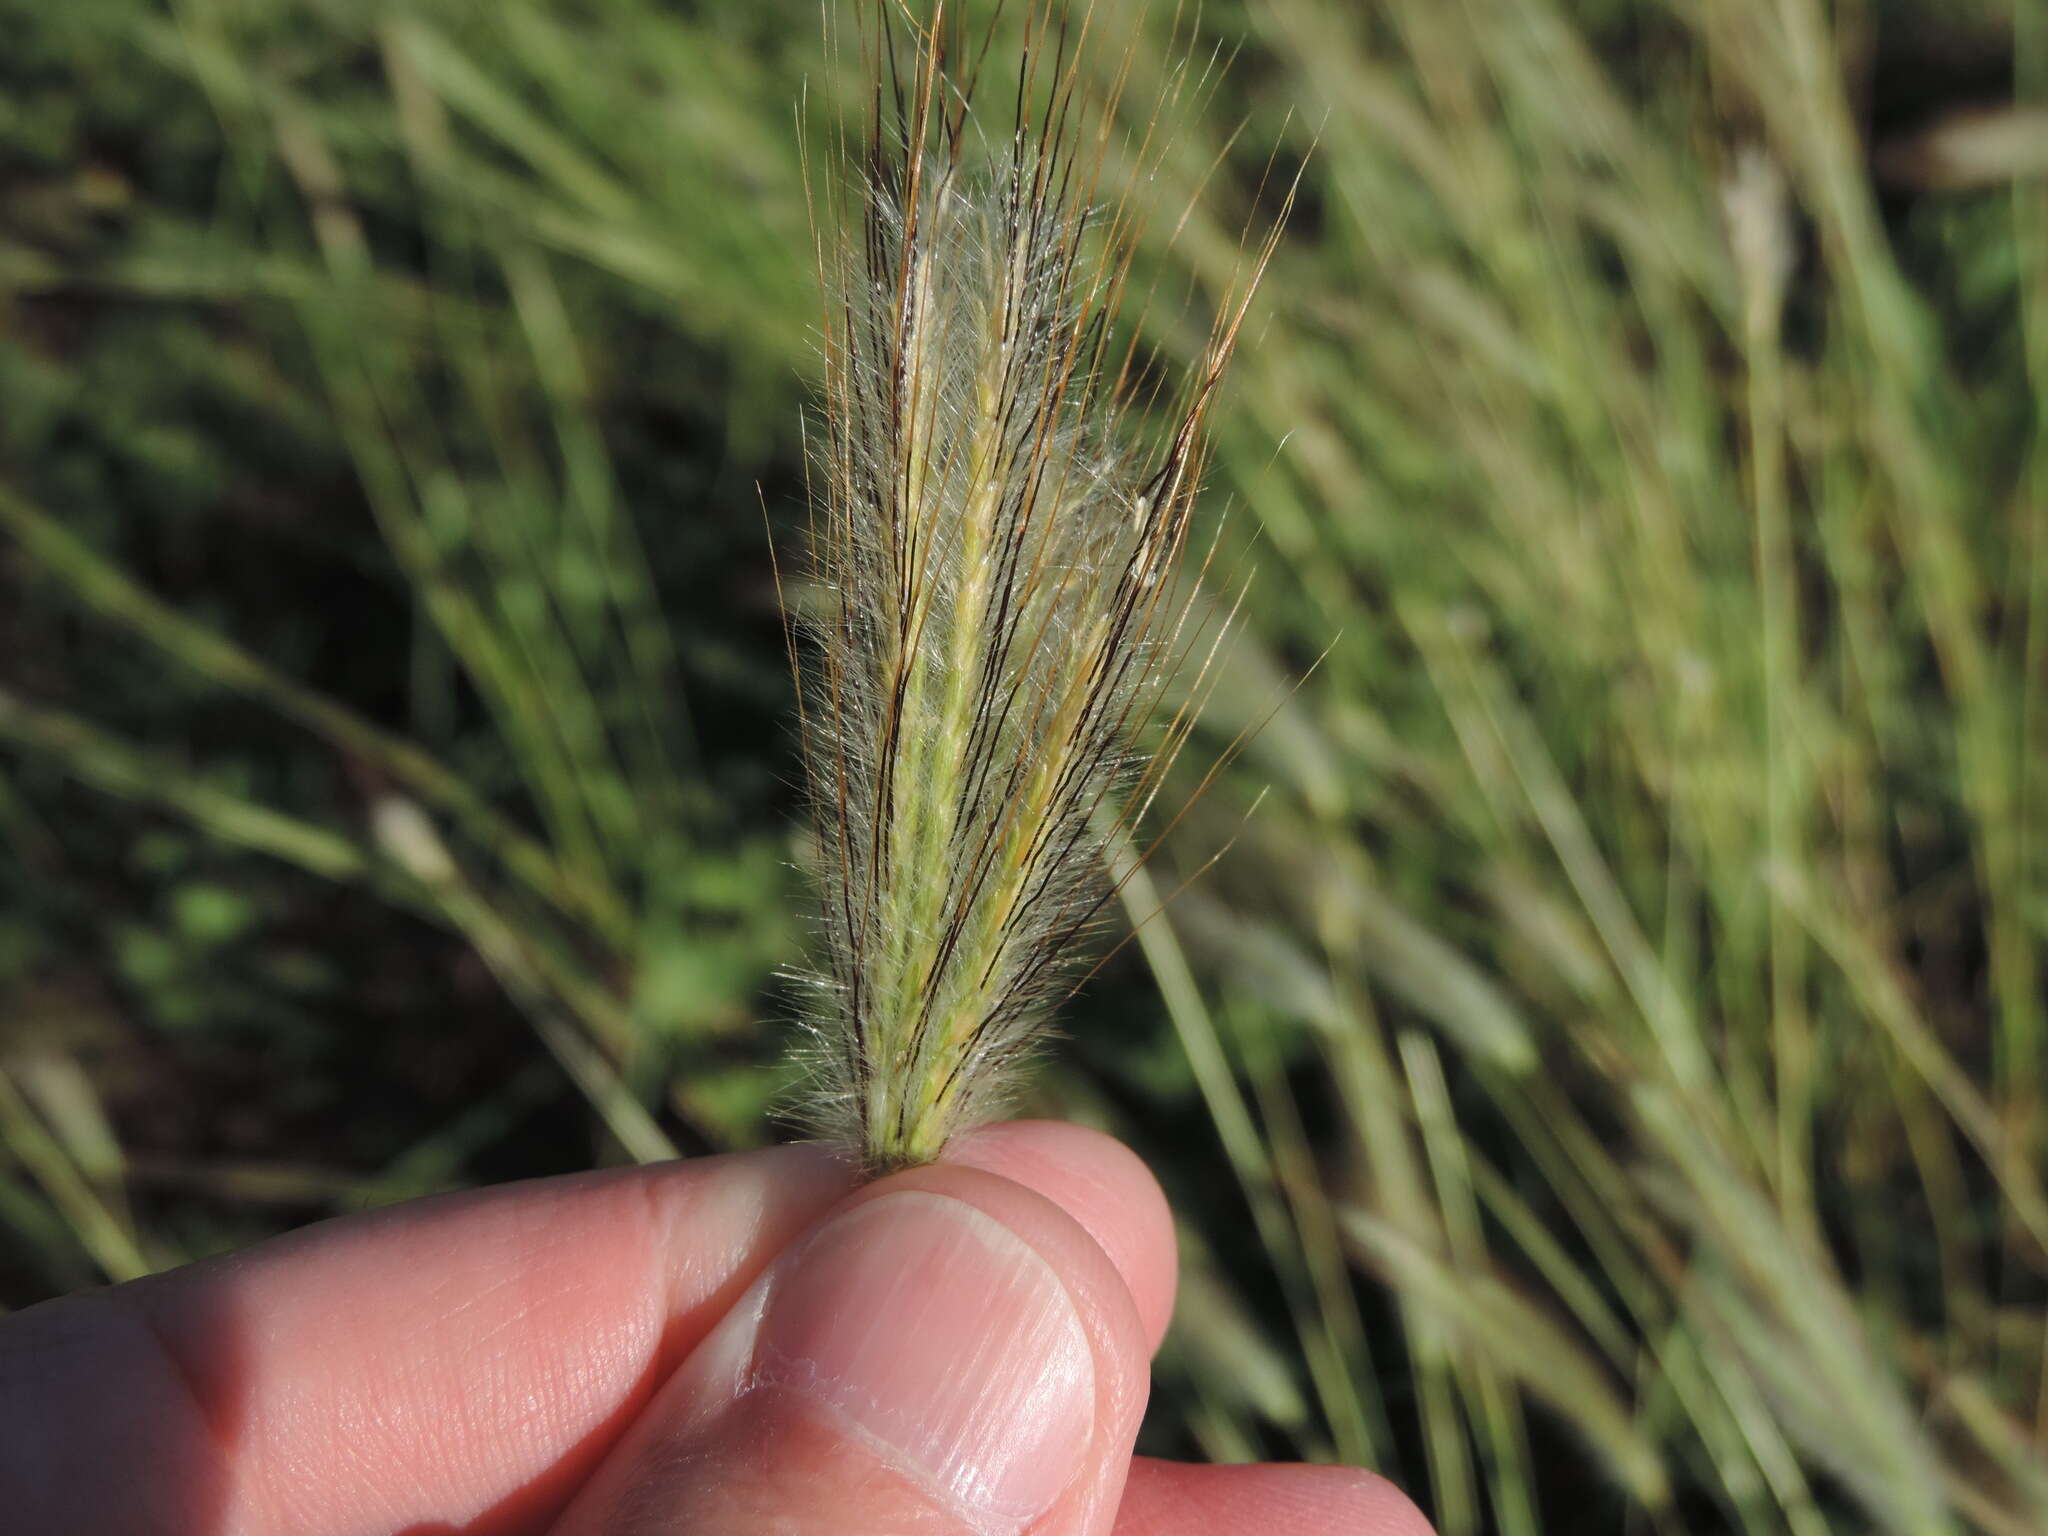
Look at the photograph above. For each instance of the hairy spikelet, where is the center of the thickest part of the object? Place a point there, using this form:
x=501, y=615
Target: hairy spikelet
x=995, y=545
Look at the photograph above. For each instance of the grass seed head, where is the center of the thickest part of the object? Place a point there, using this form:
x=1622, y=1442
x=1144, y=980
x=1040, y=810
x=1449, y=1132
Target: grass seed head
x=995, y=538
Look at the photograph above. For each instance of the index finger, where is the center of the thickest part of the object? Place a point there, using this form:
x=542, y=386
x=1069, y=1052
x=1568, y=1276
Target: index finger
x=454, y=1364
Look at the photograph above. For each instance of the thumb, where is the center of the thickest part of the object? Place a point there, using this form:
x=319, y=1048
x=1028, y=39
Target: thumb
x=946, y=1352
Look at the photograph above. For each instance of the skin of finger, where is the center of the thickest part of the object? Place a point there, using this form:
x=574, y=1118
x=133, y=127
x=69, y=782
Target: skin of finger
x=1104, y=1186
x=1164, y=1498
x=711, y=1456
x=461, y=1361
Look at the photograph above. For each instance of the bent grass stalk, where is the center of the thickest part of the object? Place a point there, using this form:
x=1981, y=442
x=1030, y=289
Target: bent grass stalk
x=996, y=537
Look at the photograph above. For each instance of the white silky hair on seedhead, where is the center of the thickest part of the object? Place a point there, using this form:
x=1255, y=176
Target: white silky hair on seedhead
x=995, y=630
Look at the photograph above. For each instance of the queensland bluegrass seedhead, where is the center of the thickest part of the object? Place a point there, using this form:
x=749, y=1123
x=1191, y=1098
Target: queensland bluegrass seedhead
x=995, y=537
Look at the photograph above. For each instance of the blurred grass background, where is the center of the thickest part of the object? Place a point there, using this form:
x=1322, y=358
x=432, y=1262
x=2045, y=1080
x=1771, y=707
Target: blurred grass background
x=1602, y=1087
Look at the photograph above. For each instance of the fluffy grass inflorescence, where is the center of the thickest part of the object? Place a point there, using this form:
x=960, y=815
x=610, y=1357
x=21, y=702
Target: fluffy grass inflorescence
x=999, y=512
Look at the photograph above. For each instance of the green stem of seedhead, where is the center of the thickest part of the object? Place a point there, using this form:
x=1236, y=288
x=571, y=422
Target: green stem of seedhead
x=920, y=1032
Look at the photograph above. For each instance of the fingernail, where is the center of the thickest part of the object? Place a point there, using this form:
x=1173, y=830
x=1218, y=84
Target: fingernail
x=934, y=1334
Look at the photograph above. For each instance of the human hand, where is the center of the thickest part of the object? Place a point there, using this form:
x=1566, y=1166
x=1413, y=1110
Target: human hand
x=743, y=1345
